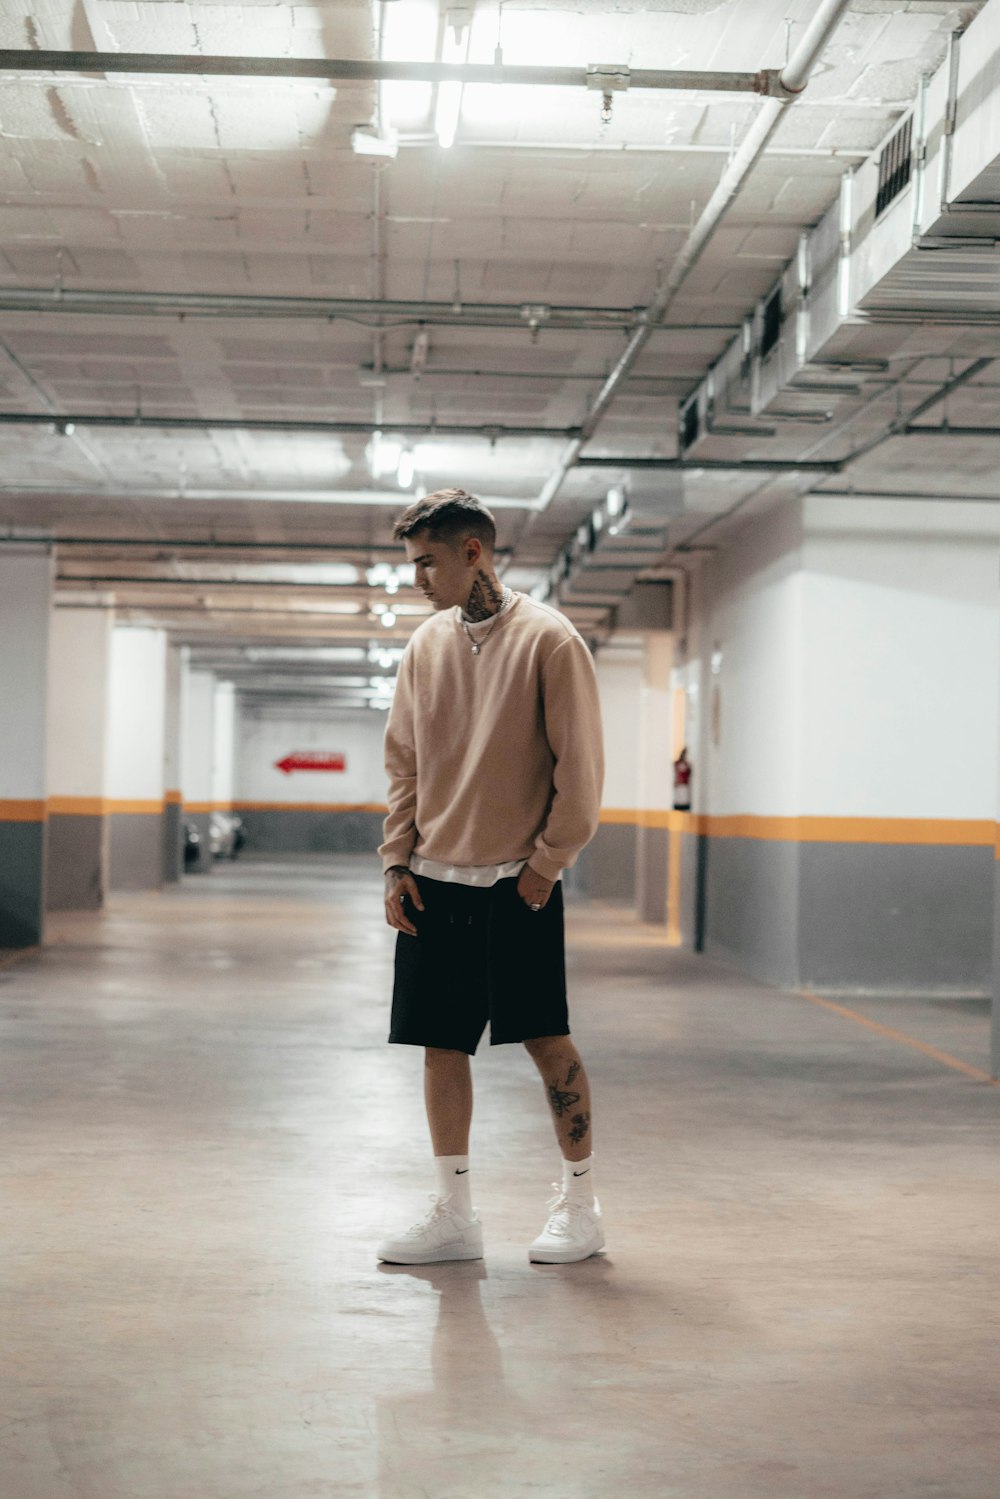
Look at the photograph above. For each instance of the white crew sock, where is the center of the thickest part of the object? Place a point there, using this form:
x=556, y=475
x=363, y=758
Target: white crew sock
x=453, y=1182
x=578, y=1180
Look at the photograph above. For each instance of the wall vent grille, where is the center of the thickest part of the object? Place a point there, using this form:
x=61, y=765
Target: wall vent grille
x=894, y=166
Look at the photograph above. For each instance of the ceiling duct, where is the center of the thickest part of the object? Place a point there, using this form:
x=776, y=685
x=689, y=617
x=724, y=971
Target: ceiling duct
x=914, y=234
x=623, y=537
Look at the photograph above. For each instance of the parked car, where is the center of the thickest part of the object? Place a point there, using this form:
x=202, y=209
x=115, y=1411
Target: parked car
x=225, y=835
x=192, y=845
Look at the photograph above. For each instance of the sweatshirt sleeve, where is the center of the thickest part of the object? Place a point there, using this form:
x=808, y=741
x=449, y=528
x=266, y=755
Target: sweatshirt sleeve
x=399, y=831
x=573, y=728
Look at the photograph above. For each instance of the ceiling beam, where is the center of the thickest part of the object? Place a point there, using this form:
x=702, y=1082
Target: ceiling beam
x=66, y=422
x=719, y=465
x=368, y=311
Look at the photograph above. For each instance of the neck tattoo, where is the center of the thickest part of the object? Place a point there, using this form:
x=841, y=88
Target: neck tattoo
x=477, y=645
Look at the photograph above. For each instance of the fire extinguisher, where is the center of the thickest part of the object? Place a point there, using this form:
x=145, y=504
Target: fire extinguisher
x=682, y=782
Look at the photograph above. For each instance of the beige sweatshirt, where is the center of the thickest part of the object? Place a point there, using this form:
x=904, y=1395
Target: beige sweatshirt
x=499, y=756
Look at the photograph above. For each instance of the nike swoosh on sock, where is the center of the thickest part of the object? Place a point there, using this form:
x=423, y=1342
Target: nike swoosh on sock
x=582, y=1173
x=463, y=1173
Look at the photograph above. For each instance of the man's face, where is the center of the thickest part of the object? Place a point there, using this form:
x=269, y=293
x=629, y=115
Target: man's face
x=445, y=573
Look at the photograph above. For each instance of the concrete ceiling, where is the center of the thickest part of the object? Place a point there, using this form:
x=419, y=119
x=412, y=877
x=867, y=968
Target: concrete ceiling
x=525, y=251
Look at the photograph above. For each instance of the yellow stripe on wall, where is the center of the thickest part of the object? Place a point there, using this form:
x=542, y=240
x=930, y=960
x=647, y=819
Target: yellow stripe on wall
x=22, y=811
x=310, y=807
x=950, y=832
x=77, y=806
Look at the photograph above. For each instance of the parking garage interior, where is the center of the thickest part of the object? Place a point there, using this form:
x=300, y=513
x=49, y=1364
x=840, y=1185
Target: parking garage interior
x=701, y=299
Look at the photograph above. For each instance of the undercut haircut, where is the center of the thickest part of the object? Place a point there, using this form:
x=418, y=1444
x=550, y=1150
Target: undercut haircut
x=448, y=515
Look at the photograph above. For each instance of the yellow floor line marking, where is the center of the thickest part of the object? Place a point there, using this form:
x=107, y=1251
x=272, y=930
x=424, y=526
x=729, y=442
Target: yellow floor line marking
x=15, y=957
x=884, y=1030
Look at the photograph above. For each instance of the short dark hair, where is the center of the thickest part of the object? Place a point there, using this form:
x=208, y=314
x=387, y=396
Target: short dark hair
x=450, y=515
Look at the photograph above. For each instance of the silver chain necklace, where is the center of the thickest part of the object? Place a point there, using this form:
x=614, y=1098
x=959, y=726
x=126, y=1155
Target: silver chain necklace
x=477, y=645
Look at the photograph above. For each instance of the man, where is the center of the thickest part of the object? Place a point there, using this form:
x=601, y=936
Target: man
x=494, y=755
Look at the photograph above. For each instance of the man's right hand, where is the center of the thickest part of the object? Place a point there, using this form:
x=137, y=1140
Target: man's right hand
x=399, y=882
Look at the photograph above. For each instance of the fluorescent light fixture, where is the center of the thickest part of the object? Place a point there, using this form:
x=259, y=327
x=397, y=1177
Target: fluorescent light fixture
x=615, y=500
x=405, y=472
x=365, y=143
x=388, y=618
x=455, y=49
x=409, y=34
x=383, y=455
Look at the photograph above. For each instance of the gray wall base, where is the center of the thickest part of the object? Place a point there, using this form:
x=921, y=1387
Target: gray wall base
x=293, y=832
x=605, y=869
x=77, y=862
x=874, y=917
x=652, y=856
x=173, y=843
x=995, y=1027
x=22, y=883
x=136, y=843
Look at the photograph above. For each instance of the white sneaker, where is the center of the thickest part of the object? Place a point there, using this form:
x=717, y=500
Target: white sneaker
x=573, y=1232
x=441, y=1234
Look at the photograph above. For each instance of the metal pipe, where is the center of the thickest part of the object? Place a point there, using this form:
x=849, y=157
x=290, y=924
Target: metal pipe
x=909, y=494
x=178, y=494
x=793, y=79
x=70, y=420
x=898, y=426
x=354, y=70
x=736, y=465
x=949, y=429
x=363, y=310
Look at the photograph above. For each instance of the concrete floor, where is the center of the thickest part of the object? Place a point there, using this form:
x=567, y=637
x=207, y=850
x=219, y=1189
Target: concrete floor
x=206, y=1135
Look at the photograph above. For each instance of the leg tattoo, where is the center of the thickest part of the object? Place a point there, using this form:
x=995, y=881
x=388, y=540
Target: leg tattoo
x=574, y=1068
x=581, y=1124
x=561, y=1102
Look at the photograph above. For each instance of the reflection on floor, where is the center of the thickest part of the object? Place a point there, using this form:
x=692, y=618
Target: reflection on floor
x=206, y=1135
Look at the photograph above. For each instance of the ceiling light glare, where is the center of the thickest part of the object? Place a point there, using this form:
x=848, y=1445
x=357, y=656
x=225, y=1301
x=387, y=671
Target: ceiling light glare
x=388, y=618
x=383, y=455
x=615, y=500
x=392, y=582
x=409, y=34
x=365, y=143
x=454, y=50
x=405, y=471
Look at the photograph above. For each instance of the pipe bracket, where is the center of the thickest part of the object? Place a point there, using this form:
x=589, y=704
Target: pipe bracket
x=769, y=82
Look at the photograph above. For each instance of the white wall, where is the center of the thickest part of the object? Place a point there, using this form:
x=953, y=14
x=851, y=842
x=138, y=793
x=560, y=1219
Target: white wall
x=619, y=682
x=137, y=710
x=748, y=607
x=655, y=726
x=900, y=659
x=79, y=697
x=634, y=682
x=265, y=737
x=25, y=609
x=176, y=671
x=198, y=738
x=224, y=744
x=858, y=655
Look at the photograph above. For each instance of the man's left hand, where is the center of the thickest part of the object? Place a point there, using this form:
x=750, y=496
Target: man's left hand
x=532, y=889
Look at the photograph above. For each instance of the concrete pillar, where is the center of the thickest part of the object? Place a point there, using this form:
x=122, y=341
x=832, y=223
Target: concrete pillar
x=135, y=764
x=197, y=761
x=77, y=756
x=995, y=1018
x=655, y=743
x=605, y=869
x=173, y=721
x=851, y=747
x=223, y=747
x=26, y=582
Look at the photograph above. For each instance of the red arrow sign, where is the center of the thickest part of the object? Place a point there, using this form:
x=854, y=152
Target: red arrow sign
x=311, y=760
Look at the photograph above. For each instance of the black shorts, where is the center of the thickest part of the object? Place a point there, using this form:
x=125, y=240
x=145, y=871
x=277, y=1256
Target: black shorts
x=480, y=955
